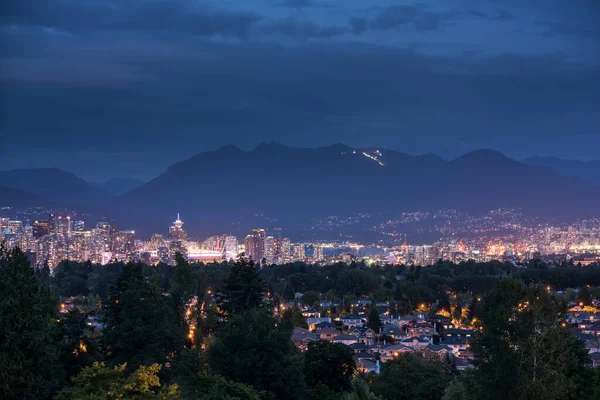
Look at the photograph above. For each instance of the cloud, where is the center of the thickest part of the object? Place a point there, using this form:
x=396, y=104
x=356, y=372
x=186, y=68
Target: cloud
x=496, y=15
x=296, y=3
x=561, y=28
x=131, y=15
x=294, y=28
x=418, y=17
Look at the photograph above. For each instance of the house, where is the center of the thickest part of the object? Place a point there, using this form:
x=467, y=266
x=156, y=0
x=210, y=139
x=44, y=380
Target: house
x=302, y=340
x=327, y=333
x=438, y=349
x=466, y=354
x=392, y=320
x=420, y=329
x=389, y=352
x=311, y=313
x=300, y=331
x=351, y=321
x=364, y=334
x=392, y=332
x=324, y=325
x=440, y=320
x=592, y=345
x=456, y=343
x=462, y=364
x=325, y=304
x=590, y=329
x=312, y=322
x=366, y=366
x=345, y=339
x=416, y=343
x=457, y=333
x=595, y=357
x=360, y=347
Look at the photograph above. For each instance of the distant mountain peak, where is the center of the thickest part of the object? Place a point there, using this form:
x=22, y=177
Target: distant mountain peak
x=483, y=155
x=230, y=148
x=270, y=146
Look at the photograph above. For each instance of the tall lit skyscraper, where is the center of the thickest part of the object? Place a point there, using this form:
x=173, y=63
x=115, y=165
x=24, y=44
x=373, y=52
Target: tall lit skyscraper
x=298, y=252
x=255, y=245
x=317, y=253
x=78, y=226
x=176, y=230
x=270, y=249
x=63, y=226
x=231, y=246
x=286, y=249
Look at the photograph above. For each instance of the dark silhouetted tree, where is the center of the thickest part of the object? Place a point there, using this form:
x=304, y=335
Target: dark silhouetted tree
x=29, y=346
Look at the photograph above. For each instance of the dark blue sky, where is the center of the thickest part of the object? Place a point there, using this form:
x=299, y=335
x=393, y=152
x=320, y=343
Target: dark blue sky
x=126, y=87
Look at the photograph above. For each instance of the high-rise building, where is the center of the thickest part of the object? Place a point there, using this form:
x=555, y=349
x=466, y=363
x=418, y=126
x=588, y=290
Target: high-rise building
x=156, y=242
x=78, y=226
x=176, y=230
x=298, y=252
x=270, y=249
x=255, y=245
x=317, y=253
x=286, y=248
x=16, y=227
x=124, y=242
x=231, y=246
x=40, y=228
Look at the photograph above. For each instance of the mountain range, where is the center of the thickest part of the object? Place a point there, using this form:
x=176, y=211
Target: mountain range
x=226, y=189
x=118, y=186
x=586, y=170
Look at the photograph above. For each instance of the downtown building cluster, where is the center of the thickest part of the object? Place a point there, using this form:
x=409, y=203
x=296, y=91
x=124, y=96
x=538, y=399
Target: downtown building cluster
x=55, y=239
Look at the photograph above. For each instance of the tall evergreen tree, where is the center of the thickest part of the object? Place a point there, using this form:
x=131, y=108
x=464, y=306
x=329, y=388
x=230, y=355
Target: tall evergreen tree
x=252, y=349
x=373, y=319
x=329, y=364
x=523, y=352
x=28, y=331
x=139, y=323
x=242, y=290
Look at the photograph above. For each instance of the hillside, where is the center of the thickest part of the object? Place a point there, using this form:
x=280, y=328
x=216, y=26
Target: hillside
x=228, y=186
x=585, y=170
x=54, y=185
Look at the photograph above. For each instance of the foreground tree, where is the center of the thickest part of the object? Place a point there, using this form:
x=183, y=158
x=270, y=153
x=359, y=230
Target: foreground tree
x=192, y=374
x=99, y=382
x=139, y=322
x=330, y=365
x=253, y=350
x=28, y=331
x=523, y=351
x=79, y=347
x=374, y=320
x=360, y=390
x=242, y=290
x=407, y=377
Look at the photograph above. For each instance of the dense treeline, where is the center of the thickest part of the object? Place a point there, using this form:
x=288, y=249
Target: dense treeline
x=194, y=331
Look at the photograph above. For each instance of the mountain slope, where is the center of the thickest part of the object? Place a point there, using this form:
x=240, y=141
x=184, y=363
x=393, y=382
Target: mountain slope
x=585, y=170
x=55, y=185
x=216, y=189
x=10, y=197
x=118, y=186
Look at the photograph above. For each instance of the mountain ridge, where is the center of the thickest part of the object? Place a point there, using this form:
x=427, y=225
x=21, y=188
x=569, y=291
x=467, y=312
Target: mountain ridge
x=229, y=184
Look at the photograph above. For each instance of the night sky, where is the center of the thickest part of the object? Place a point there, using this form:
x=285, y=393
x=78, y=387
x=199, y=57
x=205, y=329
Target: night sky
x=127, y=87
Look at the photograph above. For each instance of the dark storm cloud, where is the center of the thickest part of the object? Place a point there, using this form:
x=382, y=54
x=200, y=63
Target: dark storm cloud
x=132, y=85
x=496, y=15
x=416, y=16
x=153, y=15
x=296, y=3
x=295, y=28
